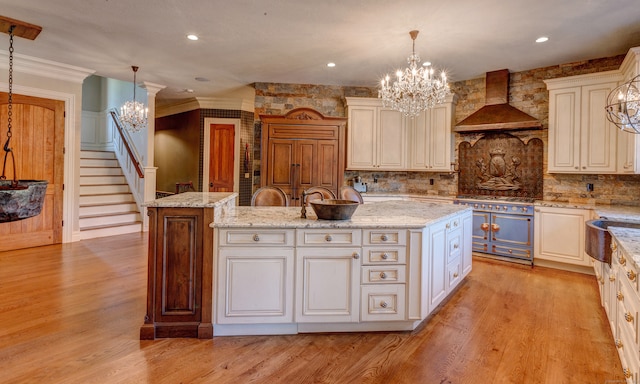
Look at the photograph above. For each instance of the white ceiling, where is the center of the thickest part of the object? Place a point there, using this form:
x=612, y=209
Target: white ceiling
x=291, y=41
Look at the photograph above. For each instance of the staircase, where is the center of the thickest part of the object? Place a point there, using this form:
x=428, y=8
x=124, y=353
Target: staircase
x=107, y=206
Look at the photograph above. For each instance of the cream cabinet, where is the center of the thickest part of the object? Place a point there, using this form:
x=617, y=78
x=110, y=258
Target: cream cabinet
x=629, y=143
x=445, y=259
x=376, y=136
x=627, y=310
x=581, y=139
x=328, y=276
x=559, y=236
x=255, y=287
x=431, y=138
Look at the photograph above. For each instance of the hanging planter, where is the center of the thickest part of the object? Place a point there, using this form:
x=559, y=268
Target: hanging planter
x=19, y=199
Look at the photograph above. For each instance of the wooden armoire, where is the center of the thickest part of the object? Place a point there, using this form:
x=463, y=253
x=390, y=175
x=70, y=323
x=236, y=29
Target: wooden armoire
x=302, y=149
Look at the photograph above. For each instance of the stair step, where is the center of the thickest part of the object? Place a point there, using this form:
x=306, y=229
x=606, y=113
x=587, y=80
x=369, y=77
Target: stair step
x=102, y=179
x=100, y=171
x=106, y=199
x=97, y=155
x=103, y=189
x=109, y=230
x=99, y=163
x=96, y=209
x=110, y=219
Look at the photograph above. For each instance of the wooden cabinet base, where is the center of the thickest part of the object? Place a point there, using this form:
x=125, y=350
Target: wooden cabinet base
x=179, y=286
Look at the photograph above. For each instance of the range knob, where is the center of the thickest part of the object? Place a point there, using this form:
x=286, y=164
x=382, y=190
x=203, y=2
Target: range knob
x=475, y=205
x=504, y=208
x=482, y=206
x=490, y=206
x=497, y=207
x=524, y=209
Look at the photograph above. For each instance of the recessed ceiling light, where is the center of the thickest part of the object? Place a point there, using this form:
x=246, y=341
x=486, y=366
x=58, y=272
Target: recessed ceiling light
x=192, y=37
x=542, y=39
x=204, y=79
x=331, y=65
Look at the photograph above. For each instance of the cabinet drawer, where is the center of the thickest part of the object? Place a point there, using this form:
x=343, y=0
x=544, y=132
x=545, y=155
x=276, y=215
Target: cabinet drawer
x=381, y=274
x=329, y=237
x=628, y=309
x=454, y=239
x=383, y=302
x=454, y=270
x=628, y=273
x=384, y=255
x=385, y=236
x=263, y=237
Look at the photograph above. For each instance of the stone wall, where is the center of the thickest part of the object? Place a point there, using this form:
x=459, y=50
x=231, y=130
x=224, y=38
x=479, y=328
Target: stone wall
x=527, y=92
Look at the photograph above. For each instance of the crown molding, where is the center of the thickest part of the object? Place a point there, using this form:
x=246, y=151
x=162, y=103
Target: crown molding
x=45, y=68
x=586, y=79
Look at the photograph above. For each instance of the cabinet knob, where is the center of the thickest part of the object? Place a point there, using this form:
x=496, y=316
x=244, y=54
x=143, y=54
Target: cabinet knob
x=577, y=168
x=622, y=260
x=383, y=275
x=614, y=246
x=620, y=296
x=629, y=317
x=256, y=237
x=631, y=275
x=627, y=373
x=384, y=238
x=612, y=278
x=455, y=223
x=455, y=246
x=619, y=343
x=384, y=256
x=356, y=255
x=455, y=275
x=384, y=304
x=447, y=226
x=328, y=238
x=583, y=167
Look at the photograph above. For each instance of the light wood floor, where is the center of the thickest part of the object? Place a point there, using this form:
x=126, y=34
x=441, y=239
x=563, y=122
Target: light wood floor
x=71, y=314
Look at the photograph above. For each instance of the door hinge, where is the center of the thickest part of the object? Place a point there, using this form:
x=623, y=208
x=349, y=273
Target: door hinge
x=62, y=223
x=64, y=150
x=63, y=186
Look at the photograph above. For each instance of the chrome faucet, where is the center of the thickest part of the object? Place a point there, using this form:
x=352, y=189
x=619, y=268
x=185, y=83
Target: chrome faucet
x=303, y=211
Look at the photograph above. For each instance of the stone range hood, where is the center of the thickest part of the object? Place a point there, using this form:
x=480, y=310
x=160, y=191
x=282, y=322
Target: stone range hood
x=497, y=114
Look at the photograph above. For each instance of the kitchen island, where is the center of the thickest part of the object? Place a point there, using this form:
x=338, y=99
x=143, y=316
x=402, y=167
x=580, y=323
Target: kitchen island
x=387, y=268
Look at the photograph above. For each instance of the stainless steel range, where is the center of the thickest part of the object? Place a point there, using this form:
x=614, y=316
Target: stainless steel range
x=502, y=228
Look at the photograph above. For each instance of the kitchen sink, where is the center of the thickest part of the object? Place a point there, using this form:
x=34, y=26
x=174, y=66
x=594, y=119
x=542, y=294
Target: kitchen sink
x=598, y=239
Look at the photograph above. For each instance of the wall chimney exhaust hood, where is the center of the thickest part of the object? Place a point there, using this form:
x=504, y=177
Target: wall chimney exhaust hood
x=497, y=114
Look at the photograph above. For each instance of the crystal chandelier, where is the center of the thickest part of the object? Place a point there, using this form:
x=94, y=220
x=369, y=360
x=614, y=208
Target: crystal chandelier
x=623, y=106
x=415, y=89
x=133, y=114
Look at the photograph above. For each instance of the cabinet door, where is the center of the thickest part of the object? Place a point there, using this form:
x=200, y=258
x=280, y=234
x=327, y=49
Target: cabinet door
x=362, y=140
x=326, y=165
x=628, y=152
x=599, y=136
x=255, y=287
x=420, y=142
x=438, y=265
x=440, y=138
x=392, y=138
x=564, y=130
x=559, y=235
x=306, y=164
x=280, y=162
x=327, y=285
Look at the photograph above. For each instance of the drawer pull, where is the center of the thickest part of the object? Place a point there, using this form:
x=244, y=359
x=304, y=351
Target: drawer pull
x=448, y=226
x=383, y=275
x=620, y=296
x=383, y=304
x=384, y=238
x=356, y=255
x=455, y=275
x=384, y=256
x=631, y=275
x=618, y=343
x=328, y=238
x=612, y=278
x=614, y=246
x=627, y=373
x=455, y=223
x=455, y=246
x=256, y=237
x=622, y=260
x=629, y=317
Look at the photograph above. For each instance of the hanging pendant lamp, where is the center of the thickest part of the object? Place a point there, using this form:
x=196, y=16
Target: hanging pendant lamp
x=19, y=199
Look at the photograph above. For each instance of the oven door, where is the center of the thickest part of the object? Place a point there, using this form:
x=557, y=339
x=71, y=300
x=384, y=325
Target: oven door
x=512, y=235
x=480, y=233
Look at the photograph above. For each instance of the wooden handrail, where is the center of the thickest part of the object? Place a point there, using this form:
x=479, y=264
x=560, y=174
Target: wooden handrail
x=134, y=160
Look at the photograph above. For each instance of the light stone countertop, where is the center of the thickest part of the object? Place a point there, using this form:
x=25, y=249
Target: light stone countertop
x=629, y=239
x=384, y=214
x=194, y=200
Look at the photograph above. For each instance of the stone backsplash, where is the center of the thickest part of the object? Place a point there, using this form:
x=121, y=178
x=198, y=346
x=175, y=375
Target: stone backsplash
x=527, y=92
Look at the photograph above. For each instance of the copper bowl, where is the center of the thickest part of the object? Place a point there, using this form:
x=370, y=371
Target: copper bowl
x=334, y=209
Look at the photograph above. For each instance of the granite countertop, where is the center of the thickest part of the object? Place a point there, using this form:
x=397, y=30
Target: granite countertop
x=385, y=214
x=408, y=196
x=193, y=200
x=629, y=240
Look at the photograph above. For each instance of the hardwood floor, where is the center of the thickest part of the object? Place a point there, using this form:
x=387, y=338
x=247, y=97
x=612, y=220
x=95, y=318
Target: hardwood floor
x=71, y=313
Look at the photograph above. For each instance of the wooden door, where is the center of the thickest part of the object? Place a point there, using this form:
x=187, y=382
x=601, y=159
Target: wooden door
x=306, y=160
x=38, y=143
x=221, y=161
x=281, y=166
